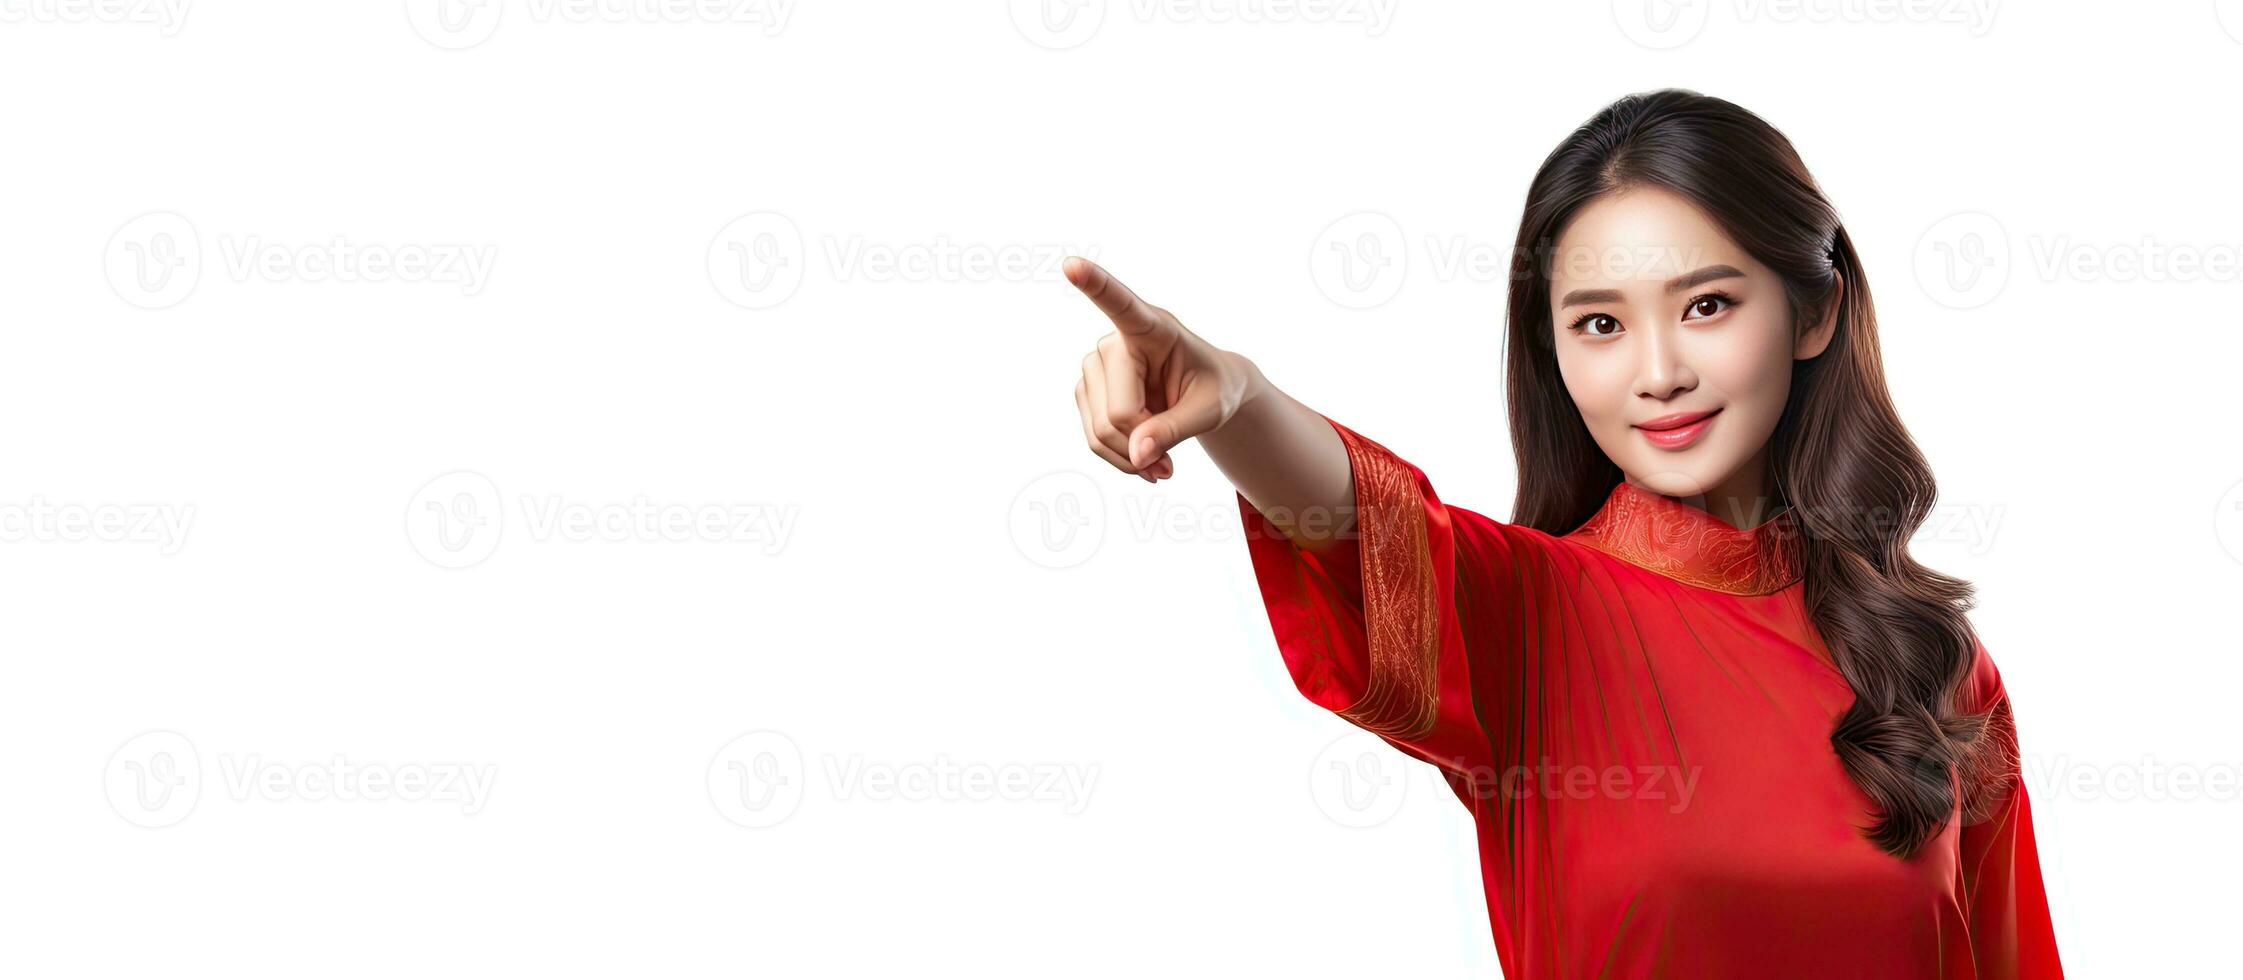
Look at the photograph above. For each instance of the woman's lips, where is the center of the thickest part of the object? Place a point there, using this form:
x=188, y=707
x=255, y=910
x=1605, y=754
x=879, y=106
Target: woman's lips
x=1676, y=431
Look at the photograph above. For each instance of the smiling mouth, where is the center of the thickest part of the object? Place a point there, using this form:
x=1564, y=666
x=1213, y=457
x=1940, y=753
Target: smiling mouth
x=1678, y=430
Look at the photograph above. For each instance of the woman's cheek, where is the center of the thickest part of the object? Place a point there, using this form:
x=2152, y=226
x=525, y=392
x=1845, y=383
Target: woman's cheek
x=1600, y=402
x=1756, y=379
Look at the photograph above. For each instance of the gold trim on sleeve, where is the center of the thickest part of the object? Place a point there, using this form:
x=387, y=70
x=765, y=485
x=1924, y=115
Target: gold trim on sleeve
x=1401, y=609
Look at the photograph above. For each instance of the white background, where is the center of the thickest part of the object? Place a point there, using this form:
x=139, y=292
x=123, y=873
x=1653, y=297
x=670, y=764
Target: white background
x=894, y=594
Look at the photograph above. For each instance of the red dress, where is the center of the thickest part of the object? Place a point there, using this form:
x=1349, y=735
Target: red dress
x=1638, y=716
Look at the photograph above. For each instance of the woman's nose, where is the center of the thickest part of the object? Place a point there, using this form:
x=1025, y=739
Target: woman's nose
x=1660, y=371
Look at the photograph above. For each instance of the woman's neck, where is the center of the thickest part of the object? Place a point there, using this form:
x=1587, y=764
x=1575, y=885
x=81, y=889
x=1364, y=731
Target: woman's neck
x=1745, y=500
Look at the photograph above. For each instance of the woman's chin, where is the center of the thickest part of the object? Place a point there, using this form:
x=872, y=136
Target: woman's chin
x=1670, y=480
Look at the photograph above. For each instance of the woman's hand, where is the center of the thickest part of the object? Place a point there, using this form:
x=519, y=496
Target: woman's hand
x=1150, y=384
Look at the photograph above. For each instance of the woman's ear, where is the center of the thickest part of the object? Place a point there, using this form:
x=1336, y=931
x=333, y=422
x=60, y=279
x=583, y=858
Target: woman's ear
x=1812, y=343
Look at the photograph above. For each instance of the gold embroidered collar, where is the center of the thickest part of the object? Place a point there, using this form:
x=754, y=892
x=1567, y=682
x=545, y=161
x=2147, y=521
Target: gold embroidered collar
x=1665, y=535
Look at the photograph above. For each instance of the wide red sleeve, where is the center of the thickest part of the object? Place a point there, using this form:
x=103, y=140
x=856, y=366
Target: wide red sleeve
x=2010, y=931
x=1369, y=625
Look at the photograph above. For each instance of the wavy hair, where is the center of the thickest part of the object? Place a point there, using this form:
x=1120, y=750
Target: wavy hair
x=1857, y=483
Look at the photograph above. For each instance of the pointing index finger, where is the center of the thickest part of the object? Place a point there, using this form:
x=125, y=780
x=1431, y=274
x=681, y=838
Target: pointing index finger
x=1131, y=315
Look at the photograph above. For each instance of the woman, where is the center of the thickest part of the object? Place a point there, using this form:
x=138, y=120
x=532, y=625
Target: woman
x=1710, y=717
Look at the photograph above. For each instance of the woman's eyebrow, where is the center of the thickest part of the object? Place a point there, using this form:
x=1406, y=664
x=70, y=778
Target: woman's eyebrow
x=1702, y=276
x=1580, y=297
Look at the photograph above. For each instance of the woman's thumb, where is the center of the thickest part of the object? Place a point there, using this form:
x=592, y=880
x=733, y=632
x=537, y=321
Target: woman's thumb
x=1144, y=445
x=1196, y=413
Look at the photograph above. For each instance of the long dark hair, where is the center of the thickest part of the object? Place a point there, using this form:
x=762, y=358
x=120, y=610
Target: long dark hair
x=1857, y=484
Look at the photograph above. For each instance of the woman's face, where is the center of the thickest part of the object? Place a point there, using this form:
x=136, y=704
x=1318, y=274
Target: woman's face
x=1660, y=318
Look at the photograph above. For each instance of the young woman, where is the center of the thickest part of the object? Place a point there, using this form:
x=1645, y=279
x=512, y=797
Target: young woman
x=1710, y=717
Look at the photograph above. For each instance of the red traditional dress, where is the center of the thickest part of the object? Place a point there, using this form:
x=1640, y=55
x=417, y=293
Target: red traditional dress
x=1638, y=716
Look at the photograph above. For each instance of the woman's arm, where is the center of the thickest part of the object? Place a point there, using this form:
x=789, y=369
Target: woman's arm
x=1363, y=570
x=1286, y=460
x=1151, y=384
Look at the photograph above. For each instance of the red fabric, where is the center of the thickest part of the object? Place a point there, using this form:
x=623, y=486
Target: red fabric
x=1638, y=716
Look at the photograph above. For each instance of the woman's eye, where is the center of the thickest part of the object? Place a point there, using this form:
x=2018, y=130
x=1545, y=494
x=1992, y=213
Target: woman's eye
x=1594, y=324
x=1708, y=305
